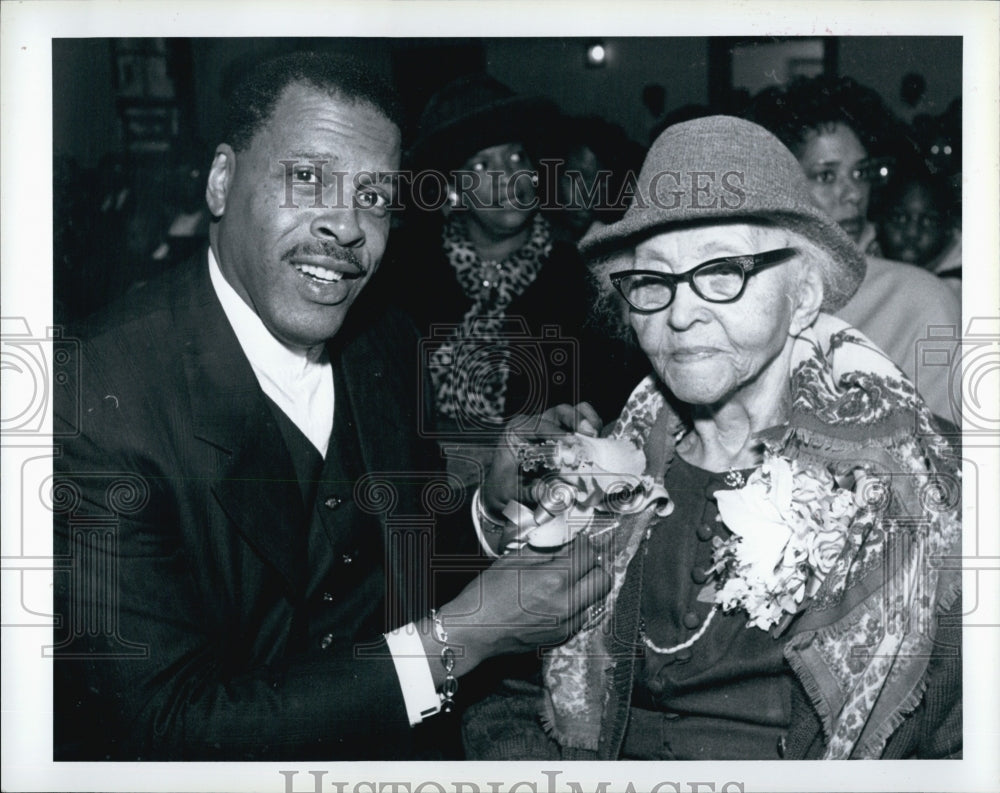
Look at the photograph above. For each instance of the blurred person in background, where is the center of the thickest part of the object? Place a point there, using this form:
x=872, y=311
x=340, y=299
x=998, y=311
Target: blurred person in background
x=845, y=139
x=916, y=222
x=500, y=300
x=480, y=261
x=596, y=159
x=185, y=217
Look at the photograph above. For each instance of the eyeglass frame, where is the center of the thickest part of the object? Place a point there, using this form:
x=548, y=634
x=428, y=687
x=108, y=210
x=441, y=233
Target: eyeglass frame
x=749, y=264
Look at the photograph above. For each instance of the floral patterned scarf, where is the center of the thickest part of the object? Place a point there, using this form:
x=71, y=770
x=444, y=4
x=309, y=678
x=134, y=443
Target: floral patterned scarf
x=861, y=647
x=469, y=369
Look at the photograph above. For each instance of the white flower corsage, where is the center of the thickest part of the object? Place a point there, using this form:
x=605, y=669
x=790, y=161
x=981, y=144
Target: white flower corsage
x=790, y=524
x=579, y=478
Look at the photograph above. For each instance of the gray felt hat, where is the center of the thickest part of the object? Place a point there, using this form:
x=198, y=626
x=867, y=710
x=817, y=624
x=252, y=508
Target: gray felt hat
x=722, y=168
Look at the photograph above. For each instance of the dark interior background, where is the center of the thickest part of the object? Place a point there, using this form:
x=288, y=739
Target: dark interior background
x=135, y=120
x=88, y=110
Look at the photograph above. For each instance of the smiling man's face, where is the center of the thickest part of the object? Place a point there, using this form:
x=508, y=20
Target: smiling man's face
x=300, y=264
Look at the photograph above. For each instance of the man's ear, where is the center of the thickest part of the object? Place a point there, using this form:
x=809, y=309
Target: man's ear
x=220, y=178
x=808, y=298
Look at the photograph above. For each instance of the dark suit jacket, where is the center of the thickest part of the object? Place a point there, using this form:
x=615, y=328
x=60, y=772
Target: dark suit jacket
x=181, y=526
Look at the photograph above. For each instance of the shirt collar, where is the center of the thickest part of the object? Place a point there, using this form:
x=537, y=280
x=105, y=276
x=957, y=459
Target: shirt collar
x=261, y=348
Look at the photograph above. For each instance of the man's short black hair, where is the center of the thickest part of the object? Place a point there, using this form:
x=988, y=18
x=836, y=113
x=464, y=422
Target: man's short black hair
x=252, y=101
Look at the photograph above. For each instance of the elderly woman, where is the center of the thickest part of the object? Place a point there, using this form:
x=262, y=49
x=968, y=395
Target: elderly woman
x=778, y=601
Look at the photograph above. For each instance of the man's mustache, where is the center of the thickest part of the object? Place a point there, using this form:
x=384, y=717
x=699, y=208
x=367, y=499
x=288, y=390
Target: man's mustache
x=330, y=250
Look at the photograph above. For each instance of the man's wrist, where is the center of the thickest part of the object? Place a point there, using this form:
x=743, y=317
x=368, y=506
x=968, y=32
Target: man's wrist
x=429, y=657
x=463, y=640
x=413, y=668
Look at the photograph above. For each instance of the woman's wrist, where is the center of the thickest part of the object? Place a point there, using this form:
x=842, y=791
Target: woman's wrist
x=492, y=522
x=490, y=508
x=488, y=532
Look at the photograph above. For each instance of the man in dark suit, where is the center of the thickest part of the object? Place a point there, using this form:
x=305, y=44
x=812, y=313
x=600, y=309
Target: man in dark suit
x=244, y=508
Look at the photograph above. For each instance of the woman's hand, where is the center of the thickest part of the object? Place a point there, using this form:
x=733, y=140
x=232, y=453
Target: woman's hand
x=505, y=481
x=523, y=601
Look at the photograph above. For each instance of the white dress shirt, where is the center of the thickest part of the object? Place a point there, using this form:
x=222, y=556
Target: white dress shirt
x=300, y=381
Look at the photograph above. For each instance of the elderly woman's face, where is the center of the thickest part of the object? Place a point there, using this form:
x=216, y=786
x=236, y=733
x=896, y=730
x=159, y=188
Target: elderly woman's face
x=495, y=185
x=831, y=158
x=705, y=352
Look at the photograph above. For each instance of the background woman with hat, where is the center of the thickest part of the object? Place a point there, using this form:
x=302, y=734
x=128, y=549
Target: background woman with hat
x=781, y=603
x=501, y=302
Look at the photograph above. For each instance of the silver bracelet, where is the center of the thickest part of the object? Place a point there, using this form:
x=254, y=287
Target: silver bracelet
x=439, y=632
x=450, y=686
x=486, y=523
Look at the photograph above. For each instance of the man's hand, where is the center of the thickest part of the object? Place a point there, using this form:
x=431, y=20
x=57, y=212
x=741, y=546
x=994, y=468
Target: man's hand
x=523, y=601
x=504, y=481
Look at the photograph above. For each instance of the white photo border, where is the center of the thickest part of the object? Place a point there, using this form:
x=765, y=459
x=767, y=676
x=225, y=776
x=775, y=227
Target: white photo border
x=26, y=252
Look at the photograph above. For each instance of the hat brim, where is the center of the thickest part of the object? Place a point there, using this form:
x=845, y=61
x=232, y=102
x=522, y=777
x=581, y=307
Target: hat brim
x=840, y=283
x=517, y=119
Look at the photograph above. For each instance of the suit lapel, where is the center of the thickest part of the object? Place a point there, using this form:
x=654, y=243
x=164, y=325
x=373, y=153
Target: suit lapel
x=384, y=422
x=257, y=488
x=370, y=364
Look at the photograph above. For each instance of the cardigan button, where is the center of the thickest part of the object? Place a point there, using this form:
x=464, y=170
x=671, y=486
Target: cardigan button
x=704, y=533
x=691, y=620
x=347, y=558
x=326, y=641
x=328, y=597
x=782, y=746
x=683, y=656
x=333, y=502
x=699, y=575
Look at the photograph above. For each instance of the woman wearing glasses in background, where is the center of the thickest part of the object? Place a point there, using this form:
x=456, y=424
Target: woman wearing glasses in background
x=776, y=606
x=846, y=141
